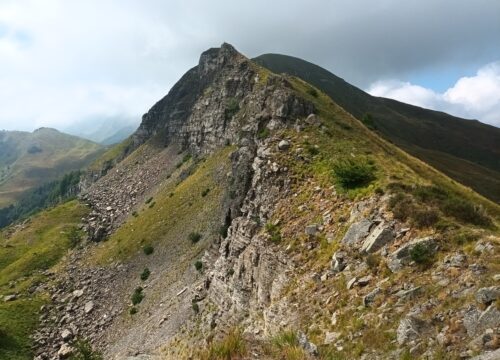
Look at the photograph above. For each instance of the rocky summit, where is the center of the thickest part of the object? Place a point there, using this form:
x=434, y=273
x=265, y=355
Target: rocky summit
x=252, y=217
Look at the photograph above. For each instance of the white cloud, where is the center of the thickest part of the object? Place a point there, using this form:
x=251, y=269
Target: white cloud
x=474, y=97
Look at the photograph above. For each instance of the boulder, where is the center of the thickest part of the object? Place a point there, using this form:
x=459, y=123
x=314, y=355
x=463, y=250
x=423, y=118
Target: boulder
x=65, y=351
x=308, y=346
x=493, y=355
x=7, y=298
x=381, y=235
x=89, y=307
x=331, y=337
x=488, y=295
x=66, y=335
x=284, y=145
x=312, y=229
x=357, y=232
x=338, y=261
x=370, y=297
x=410, y=328
x=476, y=322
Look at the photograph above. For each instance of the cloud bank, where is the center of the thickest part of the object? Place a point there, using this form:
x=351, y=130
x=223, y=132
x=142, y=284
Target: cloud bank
x=474, y=97
x=63, y=61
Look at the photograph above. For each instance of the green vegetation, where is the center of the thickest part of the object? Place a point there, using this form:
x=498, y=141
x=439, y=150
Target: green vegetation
x=263, y=133
x=148, y=249
x=133, y=310
x=137, y=296
x=30, y=160
x=367, y=119
x=198, y=265
x=421, y=254
x=84, y=351
x=194, y=237
x=23, y=257
x=42, y=197
x=149, y=200
x=196, y=307
x=286, y=346
x=145, y=274
x=205, y=192
x=353, y=173
x=434, y=137
x=231, y=347
x=421, y=203
x=274, y=232
x=232, y=108
x=172, y=216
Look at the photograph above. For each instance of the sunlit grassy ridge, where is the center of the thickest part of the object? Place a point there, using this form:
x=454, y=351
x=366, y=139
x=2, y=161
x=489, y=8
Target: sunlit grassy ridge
x=37, y=247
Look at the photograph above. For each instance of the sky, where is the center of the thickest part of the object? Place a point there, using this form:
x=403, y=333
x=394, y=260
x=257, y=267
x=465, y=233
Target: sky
x=69, y=62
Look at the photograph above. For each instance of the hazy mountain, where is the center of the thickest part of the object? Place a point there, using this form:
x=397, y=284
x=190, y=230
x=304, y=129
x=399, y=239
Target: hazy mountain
x=103, y=129
x=28, y=160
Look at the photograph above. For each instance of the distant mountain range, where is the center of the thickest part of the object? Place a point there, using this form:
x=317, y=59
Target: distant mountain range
x=103, y=130
x=28, y=160
x=465, y=150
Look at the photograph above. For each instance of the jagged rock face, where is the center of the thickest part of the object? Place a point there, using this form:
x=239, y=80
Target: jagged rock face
x=199, y=112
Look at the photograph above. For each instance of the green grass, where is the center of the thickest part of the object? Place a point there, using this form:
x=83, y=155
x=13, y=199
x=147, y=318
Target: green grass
x=21, y=170
x=173, y=217
x=38, y=247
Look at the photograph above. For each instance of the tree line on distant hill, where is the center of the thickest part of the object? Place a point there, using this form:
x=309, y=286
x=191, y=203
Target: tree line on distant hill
x=42, y=197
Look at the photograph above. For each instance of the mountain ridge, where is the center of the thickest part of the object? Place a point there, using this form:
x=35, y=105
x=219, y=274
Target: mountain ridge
x=415, y=129
x=253, y=217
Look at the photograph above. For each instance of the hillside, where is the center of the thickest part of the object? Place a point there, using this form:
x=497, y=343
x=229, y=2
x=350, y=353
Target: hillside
x=251, y=217
x=466, y=150
x=28, y=160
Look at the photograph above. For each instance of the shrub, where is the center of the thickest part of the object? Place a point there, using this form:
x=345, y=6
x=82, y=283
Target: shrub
x=401, y=205
x=274, y=232
x=223, y=230
x=367, y=119
x=145, y=274
x=148, y=249
x=137, y=296
x=194, y=237
x=373, y=261
x=353, y=173
x=186, y=158
x=232, y=107
x=74, y=236
x=152, y=204
x=149, y=200
x=425, y=217
x=133, y=310
x=198, y=265
x=464, y=210
x=205, y=192
x=421, y=254
x=84, y=351
x=232, y=347
x=312, y=91
x=312, y=150
x=135, y=214
x=263, y=133
x=196, y=307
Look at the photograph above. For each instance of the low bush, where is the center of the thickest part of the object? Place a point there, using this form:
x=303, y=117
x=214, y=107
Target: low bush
x=84, y=351
x=423, y=218
x=232, y=108
x=149, y=200
x=274, y=232
x=196, y=307
x=205, y=192
x=133, y=310
x=421, y=254
x=353, y=173
x=137, y=296
x=194, y=237
x=148, y=249
x=145, y=274
x=232, y=347
x=198, y=265
x=312, y=91
x=464, y=210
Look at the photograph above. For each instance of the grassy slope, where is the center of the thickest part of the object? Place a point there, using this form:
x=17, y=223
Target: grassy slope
x=454, y=146
x=178, y=210
x=60, y=153
x=37, y=247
